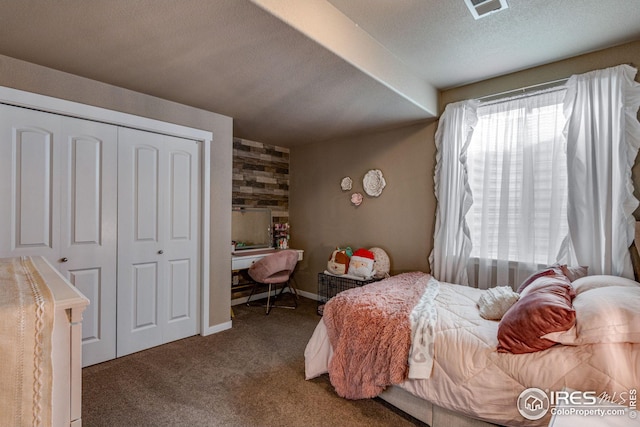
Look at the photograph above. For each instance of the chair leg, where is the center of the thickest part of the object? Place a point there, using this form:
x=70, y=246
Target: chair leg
x=294, y=291
x=288, y=284
x=293, y=288
x=269, y=306
x=273, y=287
x=253, y=290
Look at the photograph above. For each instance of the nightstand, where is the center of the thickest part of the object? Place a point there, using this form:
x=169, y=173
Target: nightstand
x=330, y=285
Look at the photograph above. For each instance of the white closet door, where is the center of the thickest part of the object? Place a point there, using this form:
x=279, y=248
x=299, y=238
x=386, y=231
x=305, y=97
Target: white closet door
x=182, y=238
x=29, y=197
x=158, y=240
x=88, y=212
x=58, y=183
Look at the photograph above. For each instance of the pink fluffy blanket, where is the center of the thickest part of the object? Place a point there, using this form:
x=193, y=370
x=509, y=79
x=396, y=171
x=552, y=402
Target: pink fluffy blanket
x=370, y=332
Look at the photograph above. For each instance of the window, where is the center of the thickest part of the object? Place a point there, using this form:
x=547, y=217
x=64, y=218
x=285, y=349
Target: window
x=517, y=172
x=508, y=184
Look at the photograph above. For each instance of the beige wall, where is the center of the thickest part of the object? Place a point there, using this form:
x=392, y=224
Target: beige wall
x=33, y=78
x=401, y=220
x=628, y=53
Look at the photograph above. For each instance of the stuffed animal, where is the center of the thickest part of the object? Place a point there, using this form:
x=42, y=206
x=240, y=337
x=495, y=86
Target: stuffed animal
x=361, y=263
x=381, y=263
x=347, y=250
x=338, y=262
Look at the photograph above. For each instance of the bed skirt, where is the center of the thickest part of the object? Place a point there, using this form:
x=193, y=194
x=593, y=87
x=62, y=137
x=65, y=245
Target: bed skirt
x=427, y=412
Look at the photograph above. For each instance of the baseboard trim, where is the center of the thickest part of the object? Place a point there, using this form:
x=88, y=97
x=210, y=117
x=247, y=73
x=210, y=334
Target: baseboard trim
x=308, y=295
x=216, y=328
x=242, y=300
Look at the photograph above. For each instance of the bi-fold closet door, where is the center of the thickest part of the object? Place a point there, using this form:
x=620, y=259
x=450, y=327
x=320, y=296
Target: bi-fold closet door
x=58, y=193
x=158, y=182
x=62, y=196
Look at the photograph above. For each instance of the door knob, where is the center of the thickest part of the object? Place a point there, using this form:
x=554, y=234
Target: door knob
x=65, y=259
x=160, y=252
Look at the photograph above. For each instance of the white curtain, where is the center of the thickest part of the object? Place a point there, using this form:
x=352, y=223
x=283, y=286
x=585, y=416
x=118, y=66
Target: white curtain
x=603, y=136
x=452, y=244
x=517, y=173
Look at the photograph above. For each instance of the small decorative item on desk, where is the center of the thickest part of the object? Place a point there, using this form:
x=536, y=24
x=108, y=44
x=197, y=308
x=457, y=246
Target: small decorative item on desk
x=282, y=235
x=283, y=243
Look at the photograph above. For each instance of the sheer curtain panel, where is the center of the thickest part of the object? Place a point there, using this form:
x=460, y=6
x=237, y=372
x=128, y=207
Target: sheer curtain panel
x=518, y=178
x=452, y=244
x=603, y=136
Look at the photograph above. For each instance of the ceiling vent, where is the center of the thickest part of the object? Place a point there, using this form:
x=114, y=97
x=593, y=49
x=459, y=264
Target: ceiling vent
x=481, y=8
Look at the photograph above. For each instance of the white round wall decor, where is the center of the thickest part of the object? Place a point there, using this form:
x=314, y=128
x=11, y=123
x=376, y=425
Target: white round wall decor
x=346, y=183
x=373, y=182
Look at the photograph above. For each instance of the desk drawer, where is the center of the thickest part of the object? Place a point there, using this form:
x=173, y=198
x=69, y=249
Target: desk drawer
x=244, y=262
x=240, y=262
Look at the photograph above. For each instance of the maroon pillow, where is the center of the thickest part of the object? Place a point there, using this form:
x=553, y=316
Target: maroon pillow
x=574, y=273
x=549, y=271
x=545, y=306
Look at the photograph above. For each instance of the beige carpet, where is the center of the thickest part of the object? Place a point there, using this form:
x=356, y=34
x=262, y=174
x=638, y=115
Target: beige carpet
x=250, y=375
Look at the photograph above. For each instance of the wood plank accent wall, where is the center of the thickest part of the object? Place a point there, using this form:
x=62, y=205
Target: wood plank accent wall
x=261, y=177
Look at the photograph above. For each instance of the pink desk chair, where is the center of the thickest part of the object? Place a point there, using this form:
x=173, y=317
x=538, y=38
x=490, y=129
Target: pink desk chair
x=274, y=270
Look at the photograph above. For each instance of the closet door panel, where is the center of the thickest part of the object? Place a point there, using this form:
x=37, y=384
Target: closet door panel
x=144, y=296
x=179, y=290
x=141, y=273
x=33, y=188
x=84, y=188
x=29, y=156
x=181, y=208
x=88, y=246
x=89, y=283
x=182, y=238
x=145, y=209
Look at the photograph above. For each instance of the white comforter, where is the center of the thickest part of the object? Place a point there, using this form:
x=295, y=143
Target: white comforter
x=469, y=376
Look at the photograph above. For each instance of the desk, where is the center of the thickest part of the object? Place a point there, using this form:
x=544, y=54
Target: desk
x=244, y=258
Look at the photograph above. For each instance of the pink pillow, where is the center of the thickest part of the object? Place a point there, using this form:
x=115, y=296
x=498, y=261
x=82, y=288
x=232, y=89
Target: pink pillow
x=573, y=273
x=544, y=307
x=549, y=271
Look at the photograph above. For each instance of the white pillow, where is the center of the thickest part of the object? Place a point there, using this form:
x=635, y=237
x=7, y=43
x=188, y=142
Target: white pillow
x=606, y=314
x=494, y=302
x=587, y=283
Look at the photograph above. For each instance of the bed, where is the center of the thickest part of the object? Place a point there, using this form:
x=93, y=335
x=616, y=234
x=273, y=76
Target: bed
x=469, y=382
x=40, y=345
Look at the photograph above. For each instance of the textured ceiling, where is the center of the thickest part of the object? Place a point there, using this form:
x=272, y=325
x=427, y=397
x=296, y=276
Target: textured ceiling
x=278, y=67
x=443, y=44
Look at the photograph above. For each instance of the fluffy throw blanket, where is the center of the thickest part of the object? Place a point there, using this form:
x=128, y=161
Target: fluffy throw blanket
x=26, y=324
x=370, y=331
